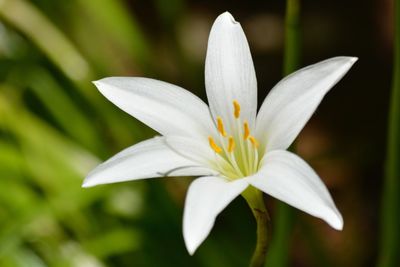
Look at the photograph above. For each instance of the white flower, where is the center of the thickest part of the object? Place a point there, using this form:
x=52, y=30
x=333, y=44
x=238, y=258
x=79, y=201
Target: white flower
x=227, y=144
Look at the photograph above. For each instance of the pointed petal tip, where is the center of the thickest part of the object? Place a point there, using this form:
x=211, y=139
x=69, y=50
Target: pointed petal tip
x=227, y=17
x=350, y=60
x=353, y=59
x=333, y=218
x=91, y=180
x=98, y=83
x=107, y=81
x=337, y=221
x=337, y=225
x=191, y=248
x=190, y=243
x=87, y=183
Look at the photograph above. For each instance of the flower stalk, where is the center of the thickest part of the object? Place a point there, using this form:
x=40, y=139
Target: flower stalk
x=255, y=200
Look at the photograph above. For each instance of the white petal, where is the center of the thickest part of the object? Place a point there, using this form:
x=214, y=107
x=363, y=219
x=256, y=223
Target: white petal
x=147, y=159
x=293, y=100
x=206, y=198
x=166, y=108
x=229, y=71
x=290, y=179
x=193, y=149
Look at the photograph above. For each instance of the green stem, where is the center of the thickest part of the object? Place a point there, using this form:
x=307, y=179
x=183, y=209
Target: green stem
x=390, y=231
x=259, y=256
x=284, y=217
x=255, y=200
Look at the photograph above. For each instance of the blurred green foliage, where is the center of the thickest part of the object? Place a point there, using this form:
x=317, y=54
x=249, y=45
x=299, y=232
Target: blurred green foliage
x=286, y=215
x=390, y=232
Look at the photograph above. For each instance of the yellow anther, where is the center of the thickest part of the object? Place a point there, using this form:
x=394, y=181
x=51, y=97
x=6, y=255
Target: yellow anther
x=220, y=126
x=246, y=130
x=214, y=146
x=231, y=144
x=253, y=141
x=236, y=107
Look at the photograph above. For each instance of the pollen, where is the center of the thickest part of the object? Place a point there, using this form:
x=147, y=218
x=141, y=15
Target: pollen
x=236, y=107
x=231, y=144
x=253, y=141
x=246, y=130
x=214, y=146
x=220, y=126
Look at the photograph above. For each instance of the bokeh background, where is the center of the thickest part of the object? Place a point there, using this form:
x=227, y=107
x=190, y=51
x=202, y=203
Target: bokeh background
x=55, y=127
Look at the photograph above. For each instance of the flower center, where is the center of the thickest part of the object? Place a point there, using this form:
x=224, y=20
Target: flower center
x=235, y=161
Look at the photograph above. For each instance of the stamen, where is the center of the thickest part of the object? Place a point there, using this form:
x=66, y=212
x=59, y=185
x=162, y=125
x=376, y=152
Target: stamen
x=220, y=126
x=236, y=107
x=246, y=130
x=231, y=144
x=255, y=166
x=224, y=166
x=253, y=141
x=214, y=146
